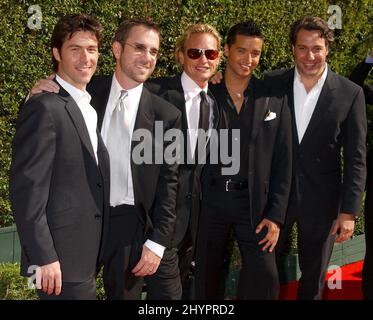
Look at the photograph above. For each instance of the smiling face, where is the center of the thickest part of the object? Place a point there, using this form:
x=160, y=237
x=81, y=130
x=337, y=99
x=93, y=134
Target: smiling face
x=136, y=57
x=77, y=59
x=243, y=55
x=202, y=69
x=310, y=53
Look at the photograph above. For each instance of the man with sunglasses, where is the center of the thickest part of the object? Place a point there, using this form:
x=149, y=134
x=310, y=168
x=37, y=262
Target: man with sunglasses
x=197, y=52
x=253, y=201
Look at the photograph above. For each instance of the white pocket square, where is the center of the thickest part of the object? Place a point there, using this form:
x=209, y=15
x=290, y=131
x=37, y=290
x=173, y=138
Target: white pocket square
x=270, y=116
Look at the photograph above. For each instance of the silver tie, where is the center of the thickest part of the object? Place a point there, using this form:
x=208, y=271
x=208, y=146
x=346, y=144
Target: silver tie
x=118, y=146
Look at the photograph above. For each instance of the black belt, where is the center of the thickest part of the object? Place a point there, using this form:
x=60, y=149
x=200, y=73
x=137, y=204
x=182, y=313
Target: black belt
x=230, y=185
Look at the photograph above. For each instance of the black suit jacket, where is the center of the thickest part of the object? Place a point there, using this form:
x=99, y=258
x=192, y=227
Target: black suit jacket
x=155, y=185
x=58, y=193
x=320, y=186
x=269, y=176
x=189, y=192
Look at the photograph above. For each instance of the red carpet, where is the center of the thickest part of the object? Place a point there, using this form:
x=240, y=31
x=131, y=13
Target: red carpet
x=341, y=284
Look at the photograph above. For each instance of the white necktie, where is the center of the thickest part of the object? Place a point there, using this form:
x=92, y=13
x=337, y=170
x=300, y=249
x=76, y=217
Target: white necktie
x=118, y=146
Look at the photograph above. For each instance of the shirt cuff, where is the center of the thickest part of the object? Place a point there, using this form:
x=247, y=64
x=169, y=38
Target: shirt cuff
x=155, y=247
x=369, y=59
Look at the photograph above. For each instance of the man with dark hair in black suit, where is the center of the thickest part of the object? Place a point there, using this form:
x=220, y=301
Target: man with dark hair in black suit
x=59, y=177
x=328, y=113
x=358, y=75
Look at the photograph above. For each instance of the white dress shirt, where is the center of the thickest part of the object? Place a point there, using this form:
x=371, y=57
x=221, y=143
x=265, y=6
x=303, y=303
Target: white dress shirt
x=305, y=103
x=192, y=105
x=132, y=106
x=83, y=99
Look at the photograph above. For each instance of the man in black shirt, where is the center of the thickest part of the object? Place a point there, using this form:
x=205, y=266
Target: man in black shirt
x=251, y=200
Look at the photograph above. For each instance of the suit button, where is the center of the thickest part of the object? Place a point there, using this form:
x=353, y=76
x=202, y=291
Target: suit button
x=189, y=196
x=97, y=216
x=99, y=185
x=318, y=160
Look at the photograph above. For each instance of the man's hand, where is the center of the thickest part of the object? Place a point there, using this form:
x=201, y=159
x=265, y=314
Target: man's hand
x=45, y=85
x=148, y=263
x=344, y=226
x=270, y=240
x=49, y=278
x=216, y=78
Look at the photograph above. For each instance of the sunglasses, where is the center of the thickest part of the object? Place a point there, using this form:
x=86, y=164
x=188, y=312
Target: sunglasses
x=197, y=53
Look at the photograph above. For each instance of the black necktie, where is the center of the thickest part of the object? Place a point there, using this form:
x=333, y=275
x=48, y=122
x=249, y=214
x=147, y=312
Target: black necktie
x=204, y=112
x=203, y=123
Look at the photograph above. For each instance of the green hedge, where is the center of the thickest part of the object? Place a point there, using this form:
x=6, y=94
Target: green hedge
x=25, y=54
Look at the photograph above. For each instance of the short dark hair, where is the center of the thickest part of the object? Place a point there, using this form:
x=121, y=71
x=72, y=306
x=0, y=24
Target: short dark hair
x=248, y=28
x=68, y=25
x=312, y=23
x=126, y=26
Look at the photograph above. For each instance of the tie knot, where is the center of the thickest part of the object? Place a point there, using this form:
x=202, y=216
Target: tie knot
x=123, y=94
x=203, y=96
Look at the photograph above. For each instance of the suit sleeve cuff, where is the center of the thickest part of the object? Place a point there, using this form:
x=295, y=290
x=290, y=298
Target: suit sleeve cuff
x=155, y=247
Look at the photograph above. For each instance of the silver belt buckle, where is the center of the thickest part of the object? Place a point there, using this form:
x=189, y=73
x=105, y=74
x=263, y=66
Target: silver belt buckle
x=227, y=184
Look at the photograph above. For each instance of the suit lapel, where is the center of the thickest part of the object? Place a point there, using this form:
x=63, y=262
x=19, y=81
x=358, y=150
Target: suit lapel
x=261, y=108
x=322, y=105
x=175, y=95
x=145, y=113
x=289, y=93
x=215, y=108
x=78, y=120
x=145, y=121
x=99, y=88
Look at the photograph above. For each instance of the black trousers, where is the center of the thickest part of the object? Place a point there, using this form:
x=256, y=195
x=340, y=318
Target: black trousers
x=221, y=212
x=73, y=291
x=315, y=246
x=123, y=252
x=186, y=255
x=165, y=284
